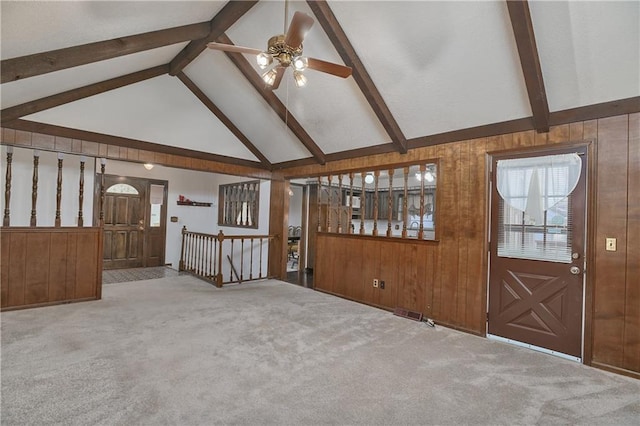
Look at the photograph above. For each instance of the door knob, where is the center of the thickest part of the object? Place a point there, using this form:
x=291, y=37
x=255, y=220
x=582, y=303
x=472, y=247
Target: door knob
x=574, y=270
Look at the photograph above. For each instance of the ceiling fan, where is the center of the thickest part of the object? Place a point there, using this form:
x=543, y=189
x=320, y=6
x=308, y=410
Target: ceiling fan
x=287, y=50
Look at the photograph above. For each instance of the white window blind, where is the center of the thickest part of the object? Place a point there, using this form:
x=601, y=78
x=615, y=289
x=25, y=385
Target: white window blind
x=535, y=207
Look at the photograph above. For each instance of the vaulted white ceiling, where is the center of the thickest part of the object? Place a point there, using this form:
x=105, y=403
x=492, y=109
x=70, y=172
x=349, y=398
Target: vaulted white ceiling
x=438, y=67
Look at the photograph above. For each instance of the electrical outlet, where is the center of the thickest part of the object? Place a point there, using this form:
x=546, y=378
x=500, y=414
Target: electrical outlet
x=381, y=285
x=375, y=282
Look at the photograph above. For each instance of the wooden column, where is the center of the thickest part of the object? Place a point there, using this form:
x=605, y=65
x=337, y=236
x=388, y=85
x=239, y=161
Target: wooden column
x=423, y=167
x=376, y=176
x=363, y=203
x=58, y=191
x=81, y=192
x=319, y=198
x=103, y=163
x=390, y=203
x=339, y=208
x=7, y=188
x=350, y=225
x=405, y=213
x=330, y=203
x=34, y=187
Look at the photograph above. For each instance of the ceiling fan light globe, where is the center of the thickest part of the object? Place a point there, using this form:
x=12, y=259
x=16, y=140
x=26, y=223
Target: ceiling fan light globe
x=300, y=79
x=264, y=60
x=269, y=77
x=368, y=178
x=300, y=63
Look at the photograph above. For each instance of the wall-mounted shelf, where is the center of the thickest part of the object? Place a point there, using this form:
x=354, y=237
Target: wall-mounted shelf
x=193, y=203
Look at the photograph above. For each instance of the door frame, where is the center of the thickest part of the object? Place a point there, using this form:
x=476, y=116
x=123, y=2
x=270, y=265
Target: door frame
x=590, y=222
x=97, y=194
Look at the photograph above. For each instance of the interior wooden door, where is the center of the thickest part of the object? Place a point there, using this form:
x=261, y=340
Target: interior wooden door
x=135, y=220
x=124, y=222
x=537, y=263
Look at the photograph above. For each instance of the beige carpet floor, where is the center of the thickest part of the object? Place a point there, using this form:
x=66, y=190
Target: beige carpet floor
x=180, y=351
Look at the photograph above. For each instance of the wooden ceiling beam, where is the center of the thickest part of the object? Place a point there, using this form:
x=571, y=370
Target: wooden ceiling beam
x=56, y=60
x=595, y=111
x=15, y=112
x=224, y=119
x=338, y=37
x=256, y=81
x=67, y=132
x=530, y=62
x=220, y=23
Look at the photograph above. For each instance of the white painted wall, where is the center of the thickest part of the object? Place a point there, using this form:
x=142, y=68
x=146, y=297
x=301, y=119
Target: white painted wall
x=196, y=186
x=21, y=188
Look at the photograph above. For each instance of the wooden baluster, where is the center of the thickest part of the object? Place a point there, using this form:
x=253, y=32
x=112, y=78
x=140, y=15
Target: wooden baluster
x=181, y=263
x=103, y=163
x=390, y=204
x=230, y=256
x=219, y=276
x=363, y=204
x=34, y=187
x=260, y=273
x=251, y=261
x=405, y=213
x=81, y=192
x=192, y=263
x=58, y=191
x=350, y=225
x=241, y=259
x=376, y=176
x=421, y=231
x=212, y=257
x=319, y=198
x=7, y=188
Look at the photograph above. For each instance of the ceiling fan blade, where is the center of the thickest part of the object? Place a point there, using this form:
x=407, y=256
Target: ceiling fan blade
x=298, y=28
x=233, y=48
x=329, y=67
x=279, y=74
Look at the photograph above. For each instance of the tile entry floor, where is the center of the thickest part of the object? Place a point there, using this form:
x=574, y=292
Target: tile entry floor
x=113, y=276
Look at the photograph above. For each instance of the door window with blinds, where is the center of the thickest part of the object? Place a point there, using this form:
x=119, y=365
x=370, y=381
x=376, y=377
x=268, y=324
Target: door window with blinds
x=535, y=205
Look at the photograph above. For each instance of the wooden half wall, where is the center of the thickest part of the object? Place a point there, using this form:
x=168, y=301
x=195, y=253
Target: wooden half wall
x=47, y=266
x=447, y=279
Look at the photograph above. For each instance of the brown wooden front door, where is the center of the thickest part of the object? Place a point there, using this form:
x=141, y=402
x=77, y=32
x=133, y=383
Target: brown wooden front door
x=538, y=248
x=134, y=229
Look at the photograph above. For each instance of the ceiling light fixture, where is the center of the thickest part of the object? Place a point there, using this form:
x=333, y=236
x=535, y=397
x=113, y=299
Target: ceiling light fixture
x=300, y=63
x=299, y=78
x=369, y=178
x=264, y=60
x=269, y=77
x=148, y=166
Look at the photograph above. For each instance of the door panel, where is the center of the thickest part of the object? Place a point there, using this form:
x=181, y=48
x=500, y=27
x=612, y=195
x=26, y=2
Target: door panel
x=536, y=265
x=131, y=238
x=122, y=244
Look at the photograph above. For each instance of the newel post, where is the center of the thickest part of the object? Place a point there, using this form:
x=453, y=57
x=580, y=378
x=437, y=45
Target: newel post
x=220, y=239
x=181, y=263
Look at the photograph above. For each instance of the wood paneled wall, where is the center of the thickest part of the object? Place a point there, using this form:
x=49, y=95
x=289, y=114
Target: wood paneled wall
x=616, y=295
x=46, y=266
x=447, y=279
x=94, y=149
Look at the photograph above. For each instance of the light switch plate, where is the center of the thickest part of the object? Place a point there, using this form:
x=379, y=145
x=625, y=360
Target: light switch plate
x=611, y=244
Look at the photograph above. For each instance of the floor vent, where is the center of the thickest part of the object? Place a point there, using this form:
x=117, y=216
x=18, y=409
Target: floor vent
x=405, y=313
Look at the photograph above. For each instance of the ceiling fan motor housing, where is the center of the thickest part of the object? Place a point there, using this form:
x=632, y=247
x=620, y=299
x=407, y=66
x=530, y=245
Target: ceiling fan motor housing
x=282, y=51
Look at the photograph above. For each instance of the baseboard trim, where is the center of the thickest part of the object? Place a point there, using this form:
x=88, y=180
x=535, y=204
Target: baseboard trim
x=617, y=370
